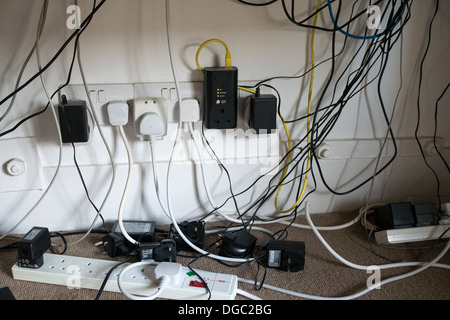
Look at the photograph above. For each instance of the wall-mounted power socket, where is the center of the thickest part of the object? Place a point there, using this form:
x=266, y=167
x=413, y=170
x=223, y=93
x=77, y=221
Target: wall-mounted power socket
x=150, y=119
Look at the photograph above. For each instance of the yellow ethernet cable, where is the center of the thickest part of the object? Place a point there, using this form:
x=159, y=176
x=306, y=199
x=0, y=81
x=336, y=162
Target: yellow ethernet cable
x=227, y=58
x=308, y=129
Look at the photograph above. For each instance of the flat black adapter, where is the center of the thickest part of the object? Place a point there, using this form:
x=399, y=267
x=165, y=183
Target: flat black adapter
x=73, y=121
x=237, y=244
x=263, y=113
x=193, y=230
x=164, y=251
x=6, y=294
x=114, y=244
x=31, y=248
x=221, y=97
x=288, y=256
x=427, y=214
x=141, y=231
x=395, y=216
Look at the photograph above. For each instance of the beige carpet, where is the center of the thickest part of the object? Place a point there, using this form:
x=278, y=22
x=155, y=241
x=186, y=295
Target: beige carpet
x=323, y=275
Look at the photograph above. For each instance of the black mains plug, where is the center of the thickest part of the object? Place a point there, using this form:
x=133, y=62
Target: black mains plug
x=73, y=121
x=221, y=97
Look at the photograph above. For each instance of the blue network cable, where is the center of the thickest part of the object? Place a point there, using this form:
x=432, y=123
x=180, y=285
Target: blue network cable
x=330, y=9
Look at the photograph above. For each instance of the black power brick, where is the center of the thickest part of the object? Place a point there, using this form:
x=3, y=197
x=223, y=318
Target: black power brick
x=221, y=97
x=263, y=113
x=31, y=248
x=73, y=121
x=114, y=244
x=288, y=256
x=164, y=251
x=193, y=230
x=237, y=244
x=405, y=215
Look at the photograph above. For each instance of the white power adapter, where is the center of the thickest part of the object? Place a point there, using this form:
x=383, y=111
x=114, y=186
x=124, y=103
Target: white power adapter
x=150, y=118
x=151, y=125
x=190, y=111
x=118, y=113
x=172, y=272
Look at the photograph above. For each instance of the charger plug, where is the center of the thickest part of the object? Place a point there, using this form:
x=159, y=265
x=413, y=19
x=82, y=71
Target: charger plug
x=118, y=113
x=172, y=272
x=190, y=111
x=114, y=244
x=151, y=125
x=150, y=119
x=237, y=244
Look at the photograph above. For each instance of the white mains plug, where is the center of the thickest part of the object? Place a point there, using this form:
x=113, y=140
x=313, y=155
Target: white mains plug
x=150, y=118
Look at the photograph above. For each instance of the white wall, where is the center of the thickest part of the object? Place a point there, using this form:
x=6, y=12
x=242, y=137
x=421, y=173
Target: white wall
x=126, y=44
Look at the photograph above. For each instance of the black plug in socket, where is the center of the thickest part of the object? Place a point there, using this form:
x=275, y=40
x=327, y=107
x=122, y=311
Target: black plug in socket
x=31, y=248
x=288, y=256
x=221, y=97
x=73, y=121
x=237, y=244
x=193, y=230
x=263, y=113
x=158, y=251
x=114, y=244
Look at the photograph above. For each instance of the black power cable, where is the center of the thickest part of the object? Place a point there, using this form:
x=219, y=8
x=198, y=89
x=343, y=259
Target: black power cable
x=75, y=35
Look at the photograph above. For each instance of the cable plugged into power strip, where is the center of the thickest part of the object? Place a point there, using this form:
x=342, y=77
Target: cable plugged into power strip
x=408, y=223
x=77, y=272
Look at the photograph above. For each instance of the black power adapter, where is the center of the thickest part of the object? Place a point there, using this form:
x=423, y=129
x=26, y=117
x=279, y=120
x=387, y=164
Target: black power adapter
x=73, y=121
x=405, y=215
x=114, y=244
x=193, y=230
x=288, y=256
x=31, y=248
x=165, y=250
x=141, y=231
x=221, y=97
x=237, y=244
x=263, y=113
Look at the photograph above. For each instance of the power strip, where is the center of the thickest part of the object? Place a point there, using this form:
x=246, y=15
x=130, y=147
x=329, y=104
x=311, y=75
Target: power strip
x=395, y=236
x=78, y=272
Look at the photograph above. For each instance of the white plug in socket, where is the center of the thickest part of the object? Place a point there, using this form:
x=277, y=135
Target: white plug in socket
x=118, y=113
x=190, y=111
x=150, y=118
x=173, y=271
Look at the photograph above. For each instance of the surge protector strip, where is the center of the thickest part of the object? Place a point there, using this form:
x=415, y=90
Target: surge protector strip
x=77, y=272
x=395, y=236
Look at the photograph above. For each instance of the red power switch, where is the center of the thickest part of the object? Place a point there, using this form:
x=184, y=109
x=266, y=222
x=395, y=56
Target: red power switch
x=197, y=284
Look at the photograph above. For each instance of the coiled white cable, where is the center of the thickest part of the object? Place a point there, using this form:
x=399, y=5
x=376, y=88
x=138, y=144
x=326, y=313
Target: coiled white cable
x=163, y=282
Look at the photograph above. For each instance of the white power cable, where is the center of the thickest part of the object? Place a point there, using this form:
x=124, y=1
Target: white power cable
x=163, y=282
x=180, y=100
x=58, y=166
x=357, y=266
x=422, y=266
x=127, y=185
x=247, y=294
